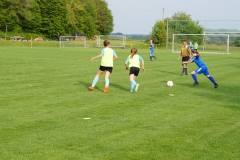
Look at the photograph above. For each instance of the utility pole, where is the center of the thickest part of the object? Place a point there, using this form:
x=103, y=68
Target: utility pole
x=6, y=33
x=163, y=15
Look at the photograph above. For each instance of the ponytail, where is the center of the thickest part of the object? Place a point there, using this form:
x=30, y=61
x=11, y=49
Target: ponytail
x=133, y=51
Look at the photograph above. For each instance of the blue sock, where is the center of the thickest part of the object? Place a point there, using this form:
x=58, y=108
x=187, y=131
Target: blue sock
x=106, y=82
x=95, y=81
x=194, y=77
x=212, y=80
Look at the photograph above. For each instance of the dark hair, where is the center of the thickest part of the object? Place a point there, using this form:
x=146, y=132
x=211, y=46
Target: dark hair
x=152, y=41
x=133, y=51
x=106, y=43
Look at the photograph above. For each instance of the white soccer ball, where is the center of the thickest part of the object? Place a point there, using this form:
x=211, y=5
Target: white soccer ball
x=170, y=83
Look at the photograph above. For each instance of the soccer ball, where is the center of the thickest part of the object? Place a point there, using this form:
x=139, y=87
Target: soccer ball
x=170, y=83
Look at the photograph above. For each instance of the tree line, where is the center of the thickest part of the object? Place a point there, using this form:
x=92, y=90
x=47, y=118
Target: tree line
x=53, y=17
x=179, y=23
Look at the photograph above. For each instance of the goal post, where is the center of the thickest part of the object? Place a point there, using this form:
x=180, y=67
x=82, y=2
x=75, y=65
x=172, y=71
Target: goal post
x=207, y=43
x=118, y=41
x=73, y=41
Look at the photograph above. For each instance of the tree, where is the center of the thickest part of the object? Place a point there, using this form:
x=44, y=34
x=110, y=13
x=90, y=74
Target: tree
x=159, y=32
x=54, y=18
x=237, y=42
x=104, y=17
x=182, y=23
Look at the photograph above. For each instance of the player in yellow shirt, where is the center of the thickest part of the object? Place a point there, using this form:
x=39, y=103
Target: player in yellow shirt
x=185, y=54
x=108, y=55
x=134, y=64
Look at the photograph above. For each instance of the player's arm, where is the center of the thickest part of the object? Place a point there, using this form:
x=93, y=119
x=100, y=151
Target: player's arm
x=141, y=59
x=143, y=66
x=98, y=56
x=115, y=56
x=126, y=63
x=180, y=55
x=190, y=60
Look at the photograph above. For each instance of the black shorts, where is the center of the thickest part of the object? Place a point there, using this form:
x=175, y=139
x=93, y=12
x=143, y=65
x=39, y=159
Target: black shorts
x=103, y=68
x=185, y=58
x=134, y=70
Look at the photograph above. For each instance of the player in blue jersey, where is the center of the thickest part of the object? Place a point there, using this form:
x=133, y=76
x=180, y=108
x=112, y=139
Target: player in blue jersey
x=202, y=69
x=151, y=48
x=134, y=64
x=191, y=47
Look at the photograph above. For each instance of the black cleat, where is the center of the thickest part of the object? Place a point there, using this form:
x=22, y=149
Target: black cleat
x=195, y=83
x=215, y=85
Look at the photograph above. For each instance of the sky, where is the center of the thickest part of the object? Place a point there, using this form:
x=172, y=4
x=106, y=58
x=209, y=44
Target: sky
x=139, y=16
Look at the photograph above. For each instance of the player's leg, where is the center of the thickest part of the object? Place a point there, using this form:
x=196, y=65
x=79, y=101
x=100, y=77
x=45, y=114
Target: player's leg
x=150, y=56
x=153, y=56
x=206, y=73
x=193, y=73
x=135, y=76
x=133, y=82
x=107, y=75
x=95, y=80
x=184, y=70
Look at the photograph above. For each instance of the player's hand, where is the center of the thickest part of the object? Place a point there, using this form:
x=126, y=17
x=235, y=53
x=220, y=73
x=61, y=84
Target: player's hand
x=126, y=68
x=178, y=58
x=92, y=59
x=143, y=69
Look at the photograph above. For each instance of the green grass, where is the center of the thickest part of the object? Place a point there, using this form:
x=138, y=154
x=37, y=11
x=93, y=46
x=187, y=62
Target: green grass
x=44, y=98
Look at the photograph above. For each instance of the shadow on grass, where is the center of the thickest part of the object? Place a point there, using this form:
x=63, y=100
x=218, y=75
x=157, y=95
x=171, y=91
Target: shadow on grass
x=119, y=86
x=174, y=73
x=87, y=84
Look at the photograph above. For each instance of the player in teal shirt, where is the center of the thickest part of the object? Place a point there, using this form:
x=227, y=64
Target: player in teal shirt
x=202, y=69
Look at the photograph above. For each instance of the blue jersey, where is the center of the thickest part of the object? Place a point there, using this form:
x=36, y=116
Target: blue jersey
x=151, y=47
x=191, y=47
x=198, y=61
x=202, y=68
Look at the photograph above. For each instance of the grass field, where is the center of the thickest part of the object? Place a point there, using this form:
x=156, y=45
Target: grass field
x=44, y=98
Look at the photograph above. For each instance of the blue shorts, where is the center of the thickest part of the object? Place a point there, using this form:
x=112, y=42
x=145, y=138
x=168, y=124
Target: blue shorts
x=202, y=70
x=151, y=51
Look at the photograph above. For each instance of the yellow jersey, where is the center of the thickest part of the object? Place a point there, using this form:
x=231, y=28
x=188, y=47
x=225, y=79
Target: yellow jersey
x=185, y=51
x=135, y=61
x=107, y=58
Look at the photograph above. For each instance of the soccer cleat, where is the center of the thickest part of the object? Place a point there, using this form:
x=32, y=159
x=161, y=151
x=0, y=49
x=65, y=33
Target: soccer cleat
x=136, y=87
x=91, y=88
x=106, y=90
x=216, y=85
x=131, y=90
x=195, y=83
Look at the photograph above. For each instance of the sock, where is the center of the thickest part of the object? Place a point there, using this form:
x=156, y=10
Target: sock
x=212, y=80
x=133, y=83
x=95, y=81
x=132, y=86
x=194, y=77
x=150, y=58
x=106, y=82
